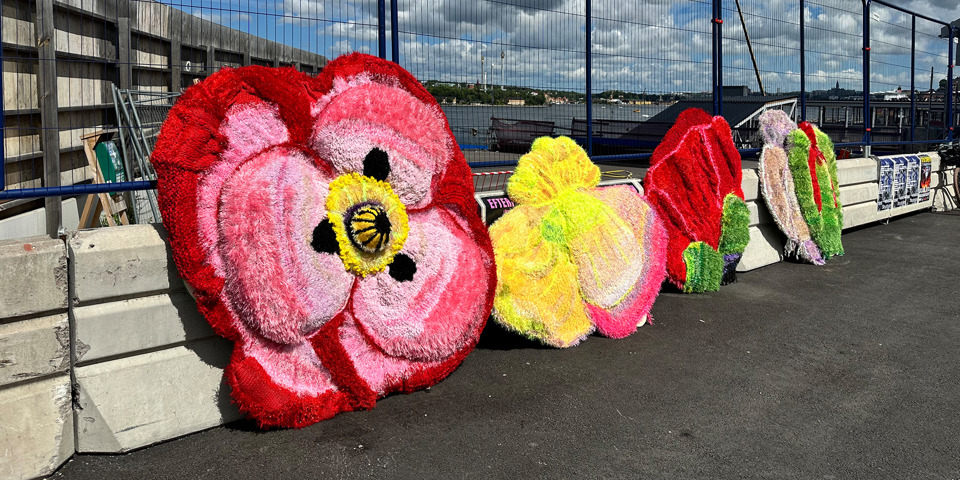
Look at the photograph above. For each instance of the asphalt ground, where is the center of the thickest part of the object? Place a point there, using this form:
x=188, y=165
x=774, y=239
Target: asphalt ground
x=850, y=370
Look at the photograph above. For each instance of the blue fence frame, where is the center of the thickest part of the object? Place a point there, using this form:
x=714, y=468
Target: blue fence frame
x=717, y=87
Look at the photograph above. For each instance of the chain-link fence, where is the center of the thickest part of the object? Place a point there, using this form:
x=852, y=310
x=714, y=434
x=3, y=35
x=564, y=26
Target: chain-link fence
x=611, y=74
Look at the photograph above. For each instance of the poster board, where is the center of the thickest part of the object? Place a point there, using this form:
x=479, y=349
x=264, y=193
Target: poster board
x=913, y=179
x=903, y=180
x=885, y=196
x=926, y=170
x=899, y=182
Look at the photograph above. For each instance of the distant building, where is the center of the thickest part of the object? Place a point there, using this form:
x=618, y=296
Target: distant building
x=516, y=101
x=896, y=95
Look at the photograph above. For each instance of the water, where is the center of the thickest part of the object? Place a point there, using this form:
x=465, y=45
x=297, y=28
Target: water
x=471, y=124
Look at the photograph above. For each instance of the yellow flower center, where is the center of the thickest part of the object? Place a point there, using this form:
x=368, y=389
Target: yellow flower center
x=370, y=222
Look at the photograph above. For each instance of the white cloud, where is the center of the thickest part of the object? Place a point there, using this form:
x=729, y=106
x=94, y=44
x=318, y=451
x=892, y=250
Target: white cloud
x=638, y=45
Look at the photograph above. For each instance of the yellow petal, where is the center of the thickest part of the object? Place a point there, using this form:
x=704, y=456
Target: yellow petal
x=552, y=166
x=537, y=292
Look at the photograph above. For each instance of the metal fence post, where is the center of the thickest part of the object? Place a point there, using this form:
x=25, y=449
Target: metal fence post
x=803, y=64
x=866, y=78
x=717, y=57
x=382, y=28
x=950, y=94
x=589, y=71
x=394, y=31
x=913, y=80
x=49, y=104
x=3, y=135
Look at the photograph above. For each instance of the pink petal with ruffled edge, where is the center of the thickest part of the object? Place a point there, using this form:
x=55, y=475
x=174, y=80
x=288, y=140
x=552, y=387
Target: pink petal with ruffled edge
x=368, y=115
x=280, y=286
x=380, y=372
x=431, y=316
x=294, y=367
x=249, y=128
x=623, y=318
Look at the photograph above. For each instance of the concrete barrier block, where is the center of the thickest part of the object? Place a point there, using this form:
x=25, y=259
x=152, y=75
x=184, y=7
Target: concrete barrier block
x=40, y=266
x=941, y=188
x=137, y=401
x=857, y=170
x=37, y=427
x=132, y=260
x=127, y=326
x=34, y=348
x=765, y=247
x=751, y=185
x=860, y=214
x=759, y=215
x=859, y=193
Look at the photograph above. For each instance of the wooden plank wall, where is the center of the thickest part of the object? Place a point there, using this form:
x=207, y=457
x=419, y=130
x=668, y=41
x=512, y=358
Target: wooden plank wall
x=136, y=44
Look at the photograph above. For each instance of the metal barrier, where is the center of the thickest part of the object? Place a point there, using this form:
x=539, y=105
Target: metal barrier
x=610, y=63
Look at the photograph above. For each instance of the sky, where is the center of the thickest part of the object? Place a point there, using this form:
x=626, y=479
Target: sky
x=653, y=46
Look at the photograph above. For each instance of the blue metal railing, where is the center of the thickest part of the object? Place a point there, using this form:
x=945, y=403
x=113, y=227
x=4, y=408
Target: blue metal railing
x=717, y=80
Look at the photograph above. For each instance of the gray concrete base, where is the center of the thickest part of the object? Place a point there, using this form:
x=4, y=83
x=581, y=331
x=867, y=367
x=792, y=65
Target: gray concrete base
x=34, y=348
x=136, y=401
x=158, y=320
x=36, y=426
x=37, y=281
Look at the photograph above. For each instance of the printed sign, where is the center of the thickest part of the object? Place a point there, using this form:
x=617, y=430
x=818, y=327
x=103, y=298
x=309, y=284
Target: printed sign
x=926, y=168
x=493, y=205
x=899, y=182
x=913, y=179
x=885, y=198
x=904, y=180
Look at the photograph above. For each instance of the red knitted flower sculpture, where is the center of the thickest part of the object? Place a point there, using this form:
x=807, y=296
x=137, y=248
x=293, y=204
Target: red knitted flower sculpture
x=694, y=183
x=327, y=227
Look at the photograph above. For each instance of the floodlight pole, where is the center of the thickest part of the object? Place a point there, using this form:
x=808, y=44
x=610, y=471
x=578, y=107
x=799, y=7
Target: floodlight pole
x=589, y=68
x=866, y=78
x=382, y=28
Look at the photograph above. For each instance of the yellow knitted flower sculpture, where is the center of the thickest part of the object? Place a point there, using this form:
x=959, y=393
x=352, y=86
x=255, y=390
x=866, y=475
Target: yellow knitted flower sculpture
x=570, y=256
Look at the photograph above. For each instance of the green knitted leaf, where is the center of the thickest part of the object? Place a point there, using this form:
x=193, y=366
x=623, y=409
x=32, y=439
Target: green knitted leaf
x=826, y=224
x=704, y=268
x=735, y=224
x=829, y=238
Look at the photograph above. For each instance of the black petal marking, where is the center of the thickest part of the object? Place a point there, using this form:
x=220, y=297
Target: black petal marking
x=376, y=164
x=325, y=239
x=403, y=268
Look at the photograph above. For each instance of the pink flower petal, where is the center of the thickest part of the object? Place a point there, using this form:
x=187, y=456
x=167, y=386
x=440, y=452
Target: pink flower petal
x=622, y=319
x=250, y=128
x=431, y=316
x=359, y=117
x=277, y=283
x=293, y=367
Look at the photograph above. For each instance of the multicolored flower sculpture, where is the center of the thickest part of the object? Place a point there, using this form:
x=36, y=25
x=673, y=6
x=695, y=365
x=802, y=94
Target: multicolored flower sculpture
x=779, y=192
x=813, y=164
x=694, y=184
x=327, y=226
x=572, y=257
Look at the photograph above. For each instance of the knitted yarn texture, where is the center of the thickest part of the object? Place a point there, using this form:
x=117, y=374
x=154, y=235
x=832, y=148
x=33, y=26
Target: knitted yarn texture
x=327, y=227
x=571, y=257
x=694, y=184
x=798, y=179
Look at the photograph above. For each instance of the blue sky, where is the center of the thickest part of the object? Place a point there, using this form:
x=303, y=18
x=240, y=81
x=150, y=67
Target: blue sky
x=638, y=45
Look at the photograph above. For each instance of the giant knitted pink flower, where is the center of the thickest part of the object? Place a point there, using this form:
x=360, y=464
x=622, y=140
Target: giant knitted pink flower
x=326, y=226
